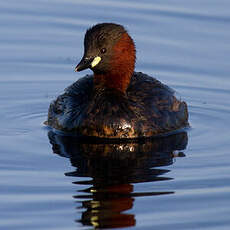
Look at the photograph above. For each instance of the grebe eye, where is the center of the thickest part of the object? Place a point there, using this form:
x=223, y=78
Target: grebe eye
x=103, y=50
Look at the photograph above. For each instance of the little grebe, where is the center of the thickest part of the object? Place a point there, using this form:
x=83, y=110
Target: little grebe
x=115, y=102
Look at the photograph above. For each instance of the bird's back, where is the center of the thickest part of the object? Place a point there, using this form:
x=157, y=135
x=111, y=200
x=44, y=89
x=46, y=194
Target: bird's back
x=148, y=108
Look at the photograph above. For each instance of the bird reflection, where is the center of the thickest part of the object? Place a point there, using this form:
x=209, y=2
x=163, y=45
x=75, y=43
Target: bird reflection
x=113, y=169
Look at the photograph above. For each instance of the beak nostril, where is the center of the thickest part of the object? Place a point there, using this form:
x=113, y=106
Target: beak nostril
x=87, y=59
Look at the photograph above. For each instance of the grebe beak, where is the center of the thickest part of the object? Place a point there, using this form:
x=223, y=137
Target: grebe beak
x=87, y=62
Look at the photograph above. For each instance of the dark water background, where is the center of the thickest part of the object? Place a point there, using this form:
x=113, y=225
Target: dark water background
x=150, y=186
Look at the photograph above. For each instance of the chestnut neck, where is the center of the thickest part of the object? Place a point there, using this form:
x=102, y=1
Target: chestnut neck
x=122, y=66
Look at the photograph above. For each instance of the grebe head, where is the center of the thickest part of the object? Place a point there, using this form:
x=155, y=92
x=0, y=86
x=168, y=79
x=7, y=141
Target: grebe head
x=109, y=52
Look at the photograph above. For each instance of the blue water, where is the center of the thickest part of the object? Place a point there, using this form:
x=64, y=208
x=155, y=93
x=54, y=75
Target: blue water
x=49, y=182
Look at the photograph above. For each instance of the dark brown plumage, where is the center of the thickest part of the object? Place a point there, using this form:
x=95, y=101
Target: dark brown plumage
x=116, y=102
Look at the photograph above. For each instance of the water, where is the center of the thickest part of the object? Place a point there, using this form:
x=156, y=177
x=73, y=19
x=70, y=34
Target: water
x=178, y=183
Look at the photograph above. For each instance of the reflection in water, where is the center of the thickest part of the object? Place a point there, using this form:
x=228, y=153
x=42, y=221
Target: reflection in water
x=113, y=169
